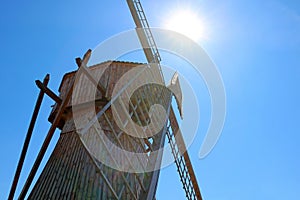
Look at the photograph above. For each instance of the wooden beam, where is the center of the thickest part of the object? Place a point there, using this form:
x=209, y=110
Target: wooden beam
x=49, y=92
x=179, y=141
x=87, y=72
x=50, y=135
x=27, y=139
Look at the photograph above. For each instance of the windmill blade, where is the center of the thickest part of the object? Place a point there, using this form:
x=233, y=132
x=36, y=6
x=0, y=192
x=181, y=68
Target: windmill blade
x=145, y=35
x=182, y=159
x=183, y=163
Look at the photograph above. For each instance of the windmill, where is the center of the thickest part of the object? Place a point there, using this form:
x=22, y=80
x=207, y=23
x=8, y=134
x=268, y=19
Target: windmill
x=74, y=170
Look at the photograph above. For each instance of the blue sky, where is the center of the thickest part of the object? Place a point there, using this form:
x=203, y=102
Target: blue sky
x=255, y=44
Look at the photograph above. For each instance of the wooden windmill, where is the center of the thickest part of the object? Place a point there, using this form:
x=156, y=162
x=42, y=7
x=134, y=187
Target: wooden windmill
x=73, y=170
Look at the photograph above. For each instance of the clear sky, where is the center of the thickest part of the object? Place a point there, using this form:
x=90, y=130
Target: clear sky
x=255, y=44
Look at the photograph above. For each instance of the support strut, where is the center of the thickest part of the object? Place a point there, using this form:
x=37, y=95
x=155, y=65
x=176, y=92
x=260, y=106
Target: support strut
x=50, y=135
x=27, y=140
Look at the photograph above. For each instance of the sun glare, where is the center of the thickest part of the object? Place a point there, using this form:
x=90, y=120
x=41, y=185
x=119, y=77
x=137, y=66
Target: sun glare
x=187, y=23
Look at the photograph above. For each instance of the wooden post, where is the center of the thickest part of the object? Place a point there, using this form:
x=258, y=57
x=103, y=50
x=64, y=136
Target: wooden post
x=27, y=140
x=50, y=135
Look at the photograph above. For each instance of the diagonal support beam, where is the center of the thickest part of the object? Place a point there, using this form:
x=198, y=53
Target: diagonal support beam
x=27, y=139
x=87, y=72
x=50, y=134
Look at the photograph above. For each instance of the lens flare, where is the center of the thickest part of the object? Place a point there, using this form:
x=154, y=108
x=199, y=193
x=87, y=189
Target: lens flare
x=187, y=23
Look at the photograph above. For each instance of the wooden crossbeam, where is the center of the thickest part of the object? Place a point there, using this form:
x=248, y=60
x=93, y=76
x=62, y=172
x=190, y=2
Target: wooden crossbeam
x=49, y=92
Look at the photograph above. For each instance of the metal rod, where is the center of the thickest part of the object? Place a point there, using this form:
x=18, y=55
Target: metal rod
x=50, y=135
x=49, y=92
x=27, y=140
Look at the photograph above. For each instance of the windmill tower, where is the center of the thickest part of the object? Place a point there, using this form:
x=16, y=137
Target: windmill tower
x=80, y=165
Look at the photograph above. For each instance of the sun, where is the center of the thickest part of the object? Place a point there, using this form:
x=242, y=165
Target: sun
x=187, y=23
